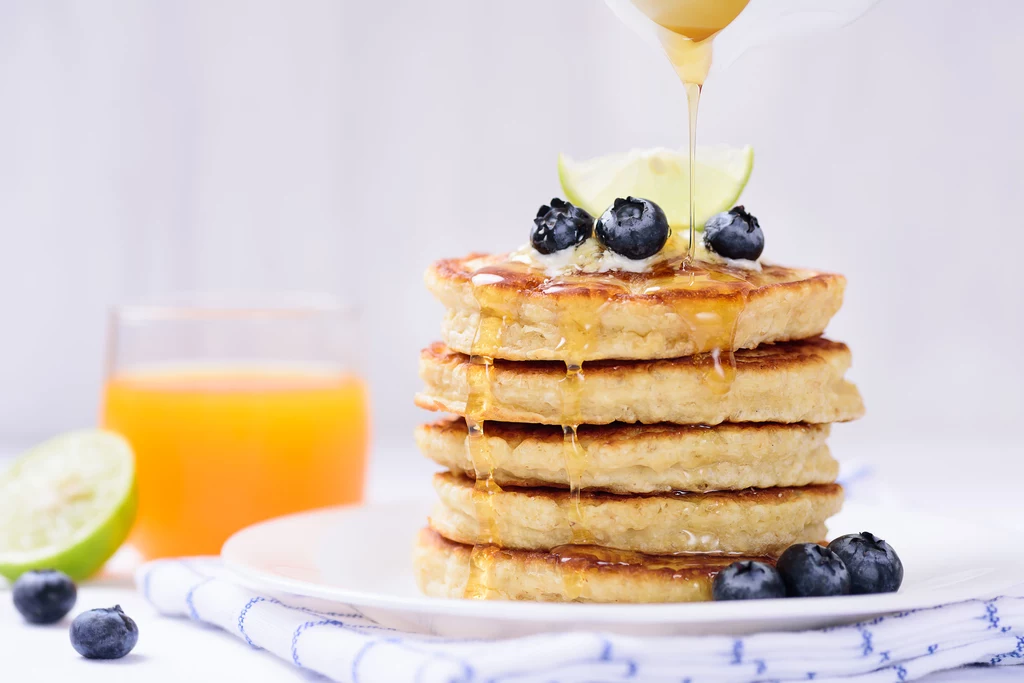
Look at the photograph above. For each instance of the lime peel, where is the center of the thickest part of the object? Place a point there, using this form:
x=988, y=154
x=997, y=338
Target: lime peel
x=67, y=504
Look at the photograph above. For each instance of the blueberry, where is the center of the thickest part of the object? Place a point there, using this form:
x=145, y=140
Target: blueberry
x=44, y=596
x=874, y=566
x=734, y=234
x=748, y=580
x=809, y=570
x=560, y=226
x=634, y=228
x=104, y=633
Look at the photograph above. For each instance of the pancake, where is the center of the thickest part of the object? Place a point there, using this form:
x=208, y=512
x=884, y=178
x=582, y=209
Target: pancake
x=787, y=382
x=662, y=313
x=751, y=522
x=642, y=458
x=442, y=570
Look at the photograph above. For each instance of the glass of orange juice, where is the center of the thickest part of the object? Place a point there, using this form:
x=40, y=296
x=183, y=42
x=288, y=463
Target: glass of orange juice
x=237, y=413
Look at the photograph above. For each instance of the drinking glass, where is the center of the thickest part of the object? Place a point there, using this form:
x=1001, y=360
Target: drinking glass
x=237, y=412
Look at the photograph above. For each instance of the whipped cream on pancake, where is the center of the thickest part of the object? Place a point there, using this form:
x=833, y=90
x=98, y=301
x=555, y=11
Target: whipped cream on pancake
x=592, y=257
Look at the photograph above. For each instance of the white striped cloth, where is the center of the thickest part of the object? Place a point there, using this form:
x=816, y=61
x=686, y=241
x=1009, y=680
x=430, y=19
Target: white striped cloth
x=347, y=646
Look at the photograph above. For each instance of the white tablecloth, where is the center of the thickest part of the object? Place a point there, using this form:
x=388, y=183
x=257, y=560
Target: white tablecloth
x=178, y=650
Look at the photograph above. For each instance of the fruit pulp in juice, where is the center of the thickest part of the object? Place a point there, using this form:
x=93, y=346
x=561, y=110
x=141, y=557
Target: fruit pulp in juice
x=218, y=449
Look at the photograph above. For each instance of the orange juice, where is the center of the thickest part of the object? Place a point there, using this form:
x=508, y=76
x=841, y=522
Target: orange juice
x=218, y=449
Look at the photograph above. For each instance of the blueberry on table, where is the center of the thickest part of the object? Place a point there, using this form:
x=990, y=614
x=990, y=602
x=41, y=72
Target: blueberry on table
x=748, y=580
x=734, y=234
x=44, y=596
x=560, y=226
x=634, y=228
x=810, y=571
x=104, y=633
x=873, y=565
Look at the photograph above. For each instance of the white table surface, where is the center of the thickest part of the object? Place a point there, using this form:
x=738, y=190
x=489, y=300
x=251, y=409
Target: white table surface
x=179, y=650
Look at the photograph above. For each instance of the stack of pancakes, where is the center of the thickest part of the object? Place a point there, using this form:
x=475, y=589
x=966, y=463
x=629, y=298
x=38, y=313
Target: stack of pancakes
x=623, y=436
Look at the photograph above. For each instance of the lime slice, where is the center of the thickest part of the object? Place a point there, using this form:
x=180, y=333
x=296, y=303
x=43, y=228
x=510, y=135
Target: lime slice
x=67, y=504
x=663, y=176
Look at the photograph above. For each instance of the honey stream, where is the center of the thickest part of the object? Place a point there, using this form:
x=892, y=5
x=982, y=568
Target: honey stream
x=686, y=29
x=479, y=379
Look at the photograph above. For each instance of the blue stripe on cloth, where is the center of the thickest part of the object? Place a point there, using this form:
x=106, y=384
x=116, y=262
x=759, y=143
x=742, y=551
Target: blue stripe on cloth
x=147, y=582
x=633, y=668
x=866, y=647
x=1017, y=653
x=395, y=641
x=190, y=598
x=737, y=652
x=299, y=631
x=359, y=658
x=241, y=620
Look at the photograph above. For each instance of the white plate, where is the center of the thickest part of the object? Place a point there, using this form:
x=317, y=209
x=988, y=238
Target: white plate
x=361, y=557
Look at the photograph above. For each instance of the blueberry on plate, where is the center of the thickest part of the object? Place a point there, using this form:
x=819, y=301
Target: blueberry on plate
x=748, y=580
x=104, y=633
x=873, y=565
x=809, y=570
x=734, y=234
x=44, y=596
x=634, y=228
x=560, y=226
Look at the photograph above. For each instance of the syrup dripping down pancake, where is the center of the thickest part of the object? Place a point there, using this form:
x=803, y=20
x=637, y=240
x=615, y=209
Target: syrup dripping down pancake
x=787, y=382
x=751, y=522
x=569, y=573
x=673, y=310
x=657, y=458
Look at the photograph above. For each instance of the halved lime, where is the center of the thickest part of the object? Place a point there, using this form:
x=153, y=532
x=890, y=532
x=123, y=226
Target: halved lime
x=67, y=504
x=662, y=176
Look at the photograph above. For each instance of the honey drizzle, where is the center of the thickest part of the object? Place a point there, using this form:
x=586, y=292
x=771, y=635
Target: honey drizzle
x=574, y=323
x=692, y=102
x=711, y=320
x=574, y=455
x=712, y=323
x=686, y=29
x=602, y=555
x=575, y=460
x=486, y=340
x=574, y=560
x=482, y=559
x=715, y=325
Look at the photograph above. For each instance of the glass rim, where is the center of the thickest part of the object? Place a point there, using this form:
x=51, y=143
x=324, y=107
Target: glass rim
x=233, y=305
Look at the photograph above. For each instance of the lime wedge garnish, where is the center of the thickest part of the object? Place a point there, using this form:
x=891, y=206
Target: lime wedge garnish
x=662, y=176
x=67, y=504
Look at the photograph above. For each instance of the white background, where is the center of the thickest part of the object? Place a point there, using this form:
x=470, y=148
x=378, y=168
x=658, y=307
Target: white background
x=154, y=147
